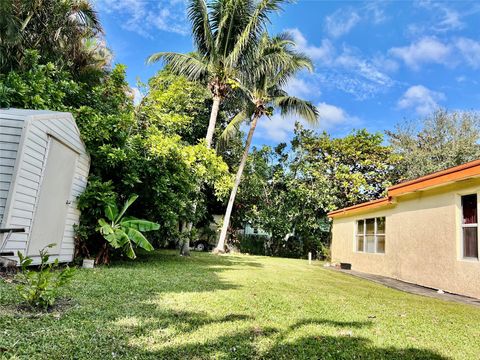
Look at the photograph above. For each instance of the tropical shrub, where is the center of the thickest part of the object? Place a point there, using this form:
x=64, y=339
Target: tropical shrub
x=40, y=289
x=123, y=232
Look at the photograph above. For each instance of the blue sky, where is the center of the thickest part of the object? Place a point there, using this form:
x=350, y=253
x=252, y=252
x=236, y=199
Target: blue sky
x=376, y=63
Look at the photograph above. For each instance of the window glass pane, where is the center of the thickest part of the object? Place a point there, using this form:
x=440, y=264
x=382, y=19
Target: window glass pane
x=381, y=225
x=370, y=243
x=360, y=227
x=470, y=242
x=469, y=209
x=370, y=223
x=380, y=243
x=360, y=243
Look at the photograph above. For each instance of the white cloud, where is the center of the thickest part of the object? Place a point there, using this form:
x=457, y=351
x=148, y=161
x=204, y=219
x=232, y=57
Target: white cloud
x=425, y=50
x=341, y=22
x=440, y=19
x=145, y=17
x=332, y=116
x=276, y=128
x=375, y=13
x=280, y=129
x=323, y=52
x=451, y=20
x=363, y=67
x=431, y=50
x=347, y=70
x=300, y=87
x=353, y=74
x=444, y=18
x=470, y=49
x=421, y=99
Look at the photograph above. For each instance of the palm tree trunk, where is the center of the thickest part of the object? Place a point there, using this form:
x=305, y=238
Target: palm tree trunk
x=213, y=120
x=226, y=221
x=185, y=248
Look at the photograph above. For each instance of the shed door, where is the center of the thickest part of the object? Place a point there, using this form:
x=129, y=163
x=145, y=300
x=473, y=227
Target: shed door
x=52, y=206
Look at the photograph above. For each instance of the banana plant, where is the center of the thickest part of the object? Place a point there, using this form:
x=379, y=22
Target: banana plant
x=123, y=232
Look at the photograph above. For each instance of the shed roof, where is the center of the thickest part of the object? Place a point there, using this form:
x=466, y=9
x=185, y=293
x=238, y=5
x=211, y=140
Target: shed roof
x=28, y=113
x=436, y=179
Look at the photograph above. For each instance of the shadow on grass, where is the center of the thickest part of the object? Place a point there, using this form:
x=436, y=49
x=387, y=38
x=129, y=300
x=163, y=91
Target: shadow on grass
x=118, y=315
x=162, y=272
x=244, y=344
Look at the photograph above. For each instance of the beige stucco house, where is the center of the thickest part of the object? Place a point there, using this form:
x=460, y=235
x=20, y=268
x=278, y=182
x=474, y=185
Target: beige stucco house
x=424, y=232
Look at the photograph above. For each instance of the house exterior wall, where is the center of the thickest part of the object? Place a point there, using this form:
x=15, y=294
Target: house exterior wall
x=423, y=240
x=27, y=174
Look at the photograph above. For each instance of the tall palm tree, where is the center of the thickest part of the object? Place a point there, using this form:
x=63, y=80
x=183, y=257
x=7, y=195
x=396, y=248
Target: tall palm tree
x=224, y=32
x=276, y=61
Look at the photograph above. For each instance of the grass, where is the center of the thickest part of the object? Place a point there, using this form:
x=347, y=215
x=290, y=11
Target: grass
x=163, y=306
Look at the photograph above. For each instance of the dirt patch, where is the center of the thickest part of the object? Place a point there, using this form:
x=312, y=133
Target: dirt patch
x=23, y=310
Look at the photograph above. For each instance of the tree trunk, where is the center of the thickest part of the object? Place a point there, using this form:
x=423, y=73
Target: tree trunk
x=226, y=221
x=185, y=248
x=185, y=238
x=213, y=120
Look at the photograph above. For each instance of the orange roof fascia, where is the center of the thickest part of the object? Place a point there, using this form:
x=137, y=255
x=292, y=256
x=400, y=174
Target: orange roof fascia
x=457, y=173
x=461, y=172
x=361, y=207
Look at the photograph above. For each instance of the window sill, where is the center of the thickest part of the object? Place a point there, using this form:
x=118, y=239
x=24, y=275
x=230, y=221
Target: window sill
x=368, y=253
x=470, y=260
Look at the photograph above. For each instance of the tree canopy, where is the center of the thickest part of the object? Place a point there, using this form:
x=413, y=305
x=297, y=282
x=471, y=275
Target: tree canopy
x=439, y=141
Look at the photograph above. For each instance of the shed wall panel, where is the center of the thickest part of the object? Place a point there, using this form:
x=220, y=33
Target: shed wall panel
x=10, y=132
x=29, y=171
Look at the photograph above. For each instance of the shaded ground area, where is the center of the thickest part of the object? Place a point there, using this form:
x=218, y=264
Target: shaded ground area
x=411, y=288
x=236, y=307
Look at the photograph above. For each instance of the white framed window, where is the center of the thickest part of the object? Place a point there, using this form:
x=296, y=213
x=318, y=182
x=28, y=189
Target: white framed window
x=370, y=235
x=469, y=226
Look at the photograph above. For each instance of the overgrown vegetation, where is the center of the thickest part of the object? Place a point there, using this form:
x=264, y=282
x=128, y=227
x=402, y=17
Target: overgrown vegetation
x=436, y=142
x=166, y=149
x=236, y=307
x=289, y=191
x=40, y=288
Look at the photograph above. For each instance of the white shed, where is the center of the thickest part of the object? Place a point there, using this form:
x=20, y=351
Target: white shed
x=43, y=168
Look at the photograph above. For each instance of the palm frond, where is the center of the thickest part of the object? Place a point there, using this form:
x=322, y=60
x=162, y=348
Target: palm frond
x=253, y=29
x=201, y=27
x=84, y=16
x=189, y=65
x=233, y=126
x=291, y=105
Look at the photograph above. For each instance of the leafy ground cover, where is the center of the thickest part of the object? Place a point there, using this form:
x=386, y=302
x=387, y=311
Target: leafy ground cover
x=164, y=306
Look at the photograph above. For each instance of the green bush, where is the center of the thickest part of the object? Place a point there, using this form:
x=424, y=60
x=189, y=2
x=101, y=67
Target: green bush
x=40, y=289
x=252, y=244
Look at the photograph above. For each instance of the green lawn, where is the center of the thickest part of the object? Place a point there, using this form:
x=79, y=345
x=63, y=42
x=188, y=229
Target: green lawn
x=236, y=307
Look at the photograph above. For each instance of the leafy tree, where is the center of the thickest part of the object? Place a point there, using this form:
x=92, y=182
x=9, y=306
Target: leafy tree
x=275, y=62
x=65, y=32
x=288, y=193
x=174, y=113
x=442, y=140
x=350, y=170
x=224, y=32
x=176, y=105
